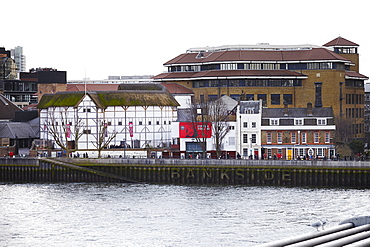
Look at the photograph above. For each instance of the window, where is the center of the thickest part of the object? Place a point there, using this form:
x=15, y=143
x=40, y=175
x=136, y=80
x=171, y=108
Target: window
x=280, y=137
x=213, y=83
x=212, y=98
x=304, y=137
x=269, y=137
x=231, y=127
x=140, y=122
x=318, y=93
x=327, y=137
x=157, y=122
x=254, y=124
x=245, y=138
x=269, y=153
x=249, y=97
x=87, y=131
x=293, y=137
x=230, y=66
x=86, y=110
x=234, y=83
x=231, y=141
x=320, y=152
x=149, y=122
x=288, y=99
x=275, y=99
x=301, y=152
x=271, y=66
x=274, y=121
x=316, y=137
x=321, y=121
x=235, y=96
x=254, y=138
x=119, y=123
x=245, y=124
x=298, y=121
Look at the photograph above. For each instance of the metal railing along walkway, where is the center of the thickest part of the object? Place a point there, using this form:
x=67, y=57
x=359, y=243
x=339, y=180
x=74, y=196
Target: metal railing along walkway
x=349, y=233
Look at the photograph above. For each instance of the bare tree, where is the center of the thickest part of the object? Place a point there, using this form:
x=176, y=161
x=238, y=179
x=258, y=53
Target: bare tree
x=210, y=117
x=102, y=137
x=62, y=128
x=218, y=114
x=77, y=131
x=344, y=131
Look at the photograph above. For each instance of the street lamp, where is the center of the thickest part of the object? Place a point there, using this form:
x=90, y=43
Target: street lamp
x=250, y=144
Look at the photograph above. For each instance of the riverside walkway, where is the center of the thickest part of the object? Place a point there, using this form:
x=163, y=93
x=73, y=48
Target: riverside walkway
x=196, y=171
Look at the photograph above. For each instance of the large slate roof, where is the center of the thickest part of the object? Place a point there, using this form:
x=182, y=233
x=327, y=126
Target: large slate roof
x=17, y=130
x=297, y=112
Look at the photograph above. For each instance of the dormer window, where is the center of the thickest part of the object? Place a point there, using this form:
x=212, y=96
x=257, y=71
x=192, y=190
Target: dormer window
x=321, y=121
x=274, y=121
x=298, y=121
x=249, y=111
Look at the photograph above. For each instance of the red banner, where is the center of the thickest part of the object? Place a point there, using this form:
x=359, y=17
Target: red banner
x=131, y=129
x=195, y=130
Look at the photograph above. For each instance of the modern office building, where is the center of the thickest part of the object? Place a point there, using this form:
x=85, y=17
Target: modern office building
x=327, y=76
x=7, y=65
x=33, y=84
x=19, y=58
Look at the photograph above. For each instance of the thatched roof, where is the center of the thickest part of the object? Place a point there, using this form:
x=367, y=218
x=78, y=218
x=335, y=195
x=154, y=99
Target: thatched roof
x=127, y=95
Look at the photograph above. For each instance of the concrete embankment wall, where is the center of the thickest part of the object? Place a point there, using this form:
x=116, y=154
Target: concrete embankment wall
x=201, y=172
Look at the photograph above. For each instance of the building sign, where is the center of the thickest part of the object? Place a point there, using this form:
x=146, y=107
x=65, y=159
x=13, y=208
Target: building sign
x=131, y=129
x=195, y=130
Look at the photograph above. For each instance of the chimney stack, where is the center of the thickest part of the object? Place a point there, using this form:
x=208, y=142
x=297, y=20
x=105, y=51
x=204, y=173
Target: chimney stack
x=309, y=109
x=285, y=111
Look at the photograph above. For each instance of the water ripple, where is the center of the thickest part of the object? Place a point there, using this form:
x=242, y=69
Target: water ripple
x=166, y=215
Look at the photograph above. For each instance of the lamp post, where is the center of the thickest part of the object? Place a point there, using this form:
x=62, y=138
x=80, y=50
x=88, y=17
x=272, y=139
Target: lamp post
x=240, y=135
x=250, y=145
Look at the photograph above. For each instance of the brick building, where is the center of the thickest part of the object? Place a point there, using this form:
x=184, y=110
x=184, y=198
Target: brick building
x=298, y=133
x=327, y=76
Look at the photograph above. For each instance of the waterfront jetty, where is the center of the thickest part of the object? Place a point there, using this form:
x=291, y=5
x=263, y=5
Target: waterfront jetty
x=180, y=171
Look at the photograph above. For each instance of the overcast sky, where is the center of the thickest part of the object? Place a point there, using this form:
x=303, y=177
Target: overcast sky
x=125, y=37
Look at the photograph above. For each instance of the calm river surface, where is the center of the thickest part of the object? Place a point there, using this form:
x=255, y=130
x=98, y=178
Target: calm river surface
x=166, y=215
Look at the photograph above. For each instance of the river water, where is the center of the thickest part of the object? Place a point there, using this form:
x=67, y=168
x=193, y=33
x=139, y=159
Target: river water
x=167, y=215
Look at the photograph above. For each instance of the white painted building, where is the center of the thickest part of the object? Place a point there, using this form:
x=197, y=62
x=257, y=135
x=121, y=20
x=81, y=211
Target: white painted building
x=248, y=129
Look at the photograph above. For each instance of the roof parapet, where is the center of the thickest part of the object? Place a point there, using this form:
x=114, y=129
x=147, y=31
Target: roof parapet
x=260, y=46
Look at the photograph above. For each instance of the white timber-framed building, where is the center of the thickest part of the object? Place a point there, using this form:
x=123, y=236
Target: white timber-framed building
x=139, y=116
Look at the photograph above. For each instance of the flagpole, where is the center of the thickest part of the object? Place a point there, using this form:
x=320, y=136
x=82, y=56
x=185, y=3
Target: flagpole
x=85, y=82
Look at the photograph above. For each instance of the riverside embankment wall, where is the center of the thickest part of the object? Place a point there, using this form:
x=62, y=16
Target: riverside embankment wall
x=201, y=172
